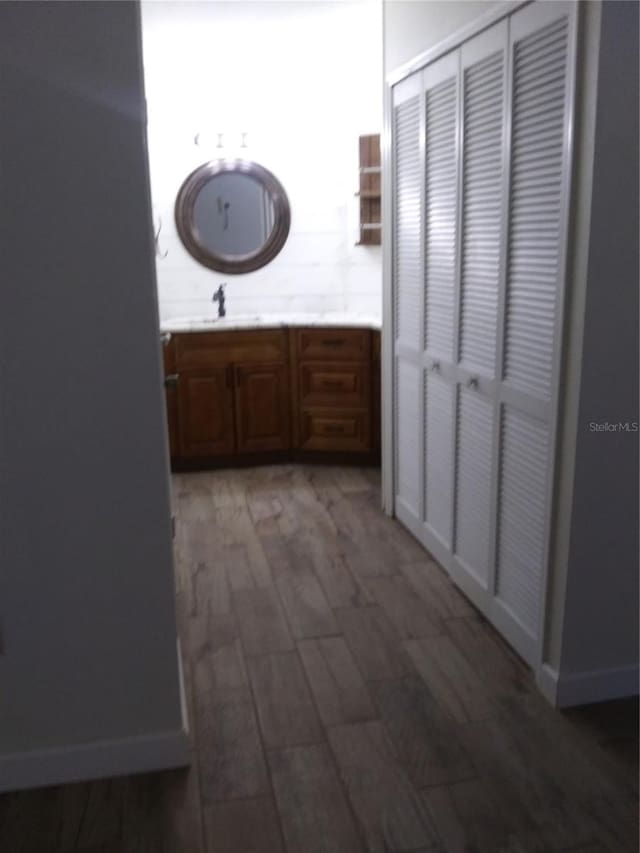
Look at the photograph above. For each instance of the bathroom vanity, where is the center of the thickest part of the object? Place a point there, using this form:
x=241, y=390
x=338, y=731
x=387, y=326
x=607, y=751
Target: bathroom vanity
x=289, y=392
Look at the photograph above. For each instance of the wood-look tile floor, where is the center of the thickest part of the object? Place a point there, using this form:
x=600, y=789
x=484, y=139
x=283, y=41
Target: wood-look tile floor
x=344, y=698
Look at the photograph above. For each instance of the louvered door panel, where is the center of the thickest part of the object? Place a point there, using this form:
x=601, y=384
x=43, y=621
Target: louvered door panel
x=439, y=456
x=408, y=273
x=540, y=65
x=474, y=469
x=482, y=214
x=522, y=512
x=482, y=236
x=408, y=155
x=540, y=35
x=441, y=178
x=407, y=439
x=474, y=478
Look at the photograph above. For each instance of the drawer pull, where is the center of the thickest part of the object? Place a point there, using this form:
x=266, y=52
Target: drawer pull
x=334, y=430
x=333, y=342
x=333, y=383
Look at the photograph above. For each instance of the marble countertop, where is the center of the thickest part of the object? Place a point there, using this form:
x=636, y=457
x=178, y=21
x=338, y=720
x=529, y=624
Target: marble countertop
x=268, y=321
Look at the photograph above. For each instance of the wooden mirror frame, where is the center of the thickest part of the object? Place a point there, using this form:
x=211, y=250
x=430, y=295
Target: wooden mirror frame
x=234, y=264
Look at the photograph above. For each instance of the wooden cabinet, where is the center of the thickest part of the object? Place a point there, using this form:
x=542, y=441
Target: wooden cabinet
x=376, y=404
x=369, y=192
x=334, y=389
x=171, y=396
x=205, y=412
x=262, y=407
x=271, y=394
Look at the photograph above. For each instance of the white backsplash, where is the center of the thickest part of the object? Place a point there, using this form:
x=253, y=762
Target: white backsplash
x=304, y=80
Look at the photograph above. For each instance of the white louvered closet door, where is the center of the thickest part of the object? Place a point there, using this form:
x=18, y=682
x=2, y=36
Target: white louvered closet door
x=483, y=65
x=441, y=178
x=408, y=157
x=542, y=56
x=481, y=142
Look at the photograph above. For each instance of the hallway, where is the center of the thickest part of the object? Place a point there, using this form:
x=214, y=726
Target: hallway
x=344, y=697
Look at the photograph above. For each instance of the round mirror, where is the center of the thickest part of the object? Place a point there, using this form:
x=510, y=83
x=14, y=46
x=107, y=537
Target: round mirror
x=232, y=215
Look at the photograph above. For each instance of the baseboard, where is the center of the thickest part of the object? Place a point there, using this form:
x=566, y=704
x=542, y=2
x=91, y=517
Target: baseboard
x=96, y=760
x=547, y=681
x=184, y=705
x=598, y=685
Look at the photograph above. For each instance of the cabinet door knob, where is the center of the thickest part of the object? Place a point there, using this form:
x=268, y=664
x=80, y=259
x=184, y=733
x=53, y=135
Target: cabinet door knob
x=171, y=380
x=435, y=366
x=472, y=382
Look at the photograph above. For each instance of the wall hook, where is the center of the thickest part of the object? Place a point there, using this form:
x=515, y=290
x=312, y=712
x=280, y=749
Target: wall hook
x=156, y=240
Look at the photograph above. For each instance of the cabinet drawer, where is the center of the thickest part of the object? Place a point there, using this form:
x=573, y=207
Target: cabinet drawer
x=202, y=349
x=334, y=344
x=331, y=384
x=332, y=429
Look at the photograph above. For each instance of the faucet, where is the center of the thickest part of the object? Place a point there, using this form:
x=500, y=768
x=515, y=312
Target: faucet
x=218, y=297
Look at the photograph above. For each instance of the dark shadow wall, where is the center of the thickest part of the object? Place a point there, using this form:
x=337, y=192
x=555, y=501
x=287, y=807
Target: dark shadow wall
x=86, y=582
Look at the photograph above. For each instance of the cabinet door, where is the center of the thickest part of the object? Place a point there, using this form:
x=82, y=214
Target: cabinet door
x=262, y=407
x=205, y=412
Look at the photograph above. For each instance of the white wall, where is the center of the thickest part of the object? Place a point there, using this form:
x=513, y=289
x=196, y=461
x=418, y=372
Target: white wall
x=600, y=632
x=88, y=666
x=303, y=79
x=414, y=26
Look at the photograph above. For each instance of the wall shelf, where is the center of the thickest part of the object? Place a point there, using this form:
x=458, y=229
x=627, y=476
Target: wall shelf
x=369, y=190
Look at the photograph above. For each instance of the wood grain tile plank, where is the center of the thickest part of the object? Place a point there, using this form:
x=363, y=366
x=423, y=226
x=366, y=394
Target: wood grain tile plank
x=261, y=621
x=436, y=590
x=339, y=691
x=306, y=607
x=450, y=678
x=426, y=739
x=388, y=808
x=467, y=818
x=230, y=752
x=218, y=664
x=238, y=529
x=545, y=789
x=312, y=804
x=341, y=587
x=285, y=707
x=374, y=643
x=243, y=826
x=404, y=609
x=499, y=668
